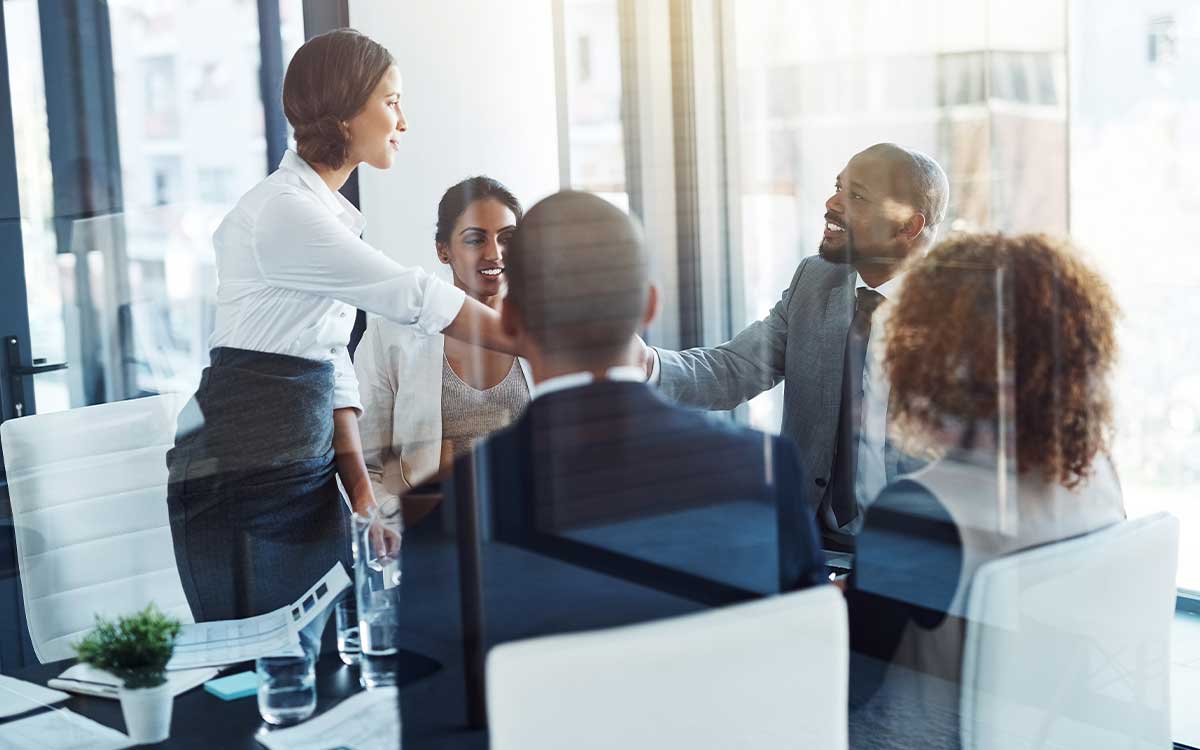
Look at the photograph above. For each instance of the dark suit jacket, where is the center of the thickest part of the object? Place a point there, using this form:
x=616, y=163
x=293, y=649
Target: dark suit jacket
x=616, y=450
x=802, y=339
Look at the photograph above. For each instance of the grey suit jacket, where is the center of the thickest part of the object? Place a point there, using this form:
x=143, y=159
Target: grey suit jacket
x=802, y=341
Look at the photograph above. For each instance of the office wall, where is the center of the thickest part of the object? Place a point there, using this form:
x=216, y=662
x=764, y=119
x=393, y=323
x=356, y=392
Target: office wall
x=479, y=96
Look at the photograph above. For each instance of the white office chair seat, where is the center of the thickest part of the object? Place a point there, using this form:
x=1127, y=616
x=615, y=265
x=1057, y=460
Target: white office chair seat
x=88, y=489
x=1068, y=645
x=769, y=674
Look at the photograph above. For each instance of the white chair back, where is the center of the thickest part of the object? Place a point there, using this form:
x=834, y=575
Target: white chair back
x=88, y=489
x=1084, y=659
x=768, y=674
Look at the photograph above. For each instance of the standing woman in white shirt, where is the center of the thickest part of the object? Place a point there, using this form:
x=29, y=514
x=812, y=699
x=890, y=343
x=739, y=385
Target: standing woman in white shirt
x=255, y=510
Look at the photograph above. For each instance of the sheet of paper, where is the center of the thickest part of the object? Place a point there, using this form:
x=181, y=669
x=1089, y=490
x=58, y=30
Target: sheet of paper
x=60, y=729
x=213, y=644
x=18, y=696
x=369, y=720
x=87, y=680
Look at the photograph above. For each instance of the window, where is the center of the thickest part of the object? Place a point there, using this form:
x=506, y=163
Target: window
x=1160, y=38
x=990, y=103
x=159, y=97
x=1137, y=154
x=151, y=125
x=585, y=58
x=814, y=88
x=595, y=132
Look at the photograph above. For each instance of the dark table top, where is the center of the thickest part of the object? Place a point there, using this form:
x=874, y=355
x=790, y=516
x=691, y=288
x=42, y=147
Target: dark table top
x=203, y=721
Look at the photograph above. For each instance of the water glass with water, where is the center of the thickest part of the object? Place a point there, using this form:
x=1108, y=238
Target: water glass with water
x=346, y=612
x=287, y=688
x=377, y=594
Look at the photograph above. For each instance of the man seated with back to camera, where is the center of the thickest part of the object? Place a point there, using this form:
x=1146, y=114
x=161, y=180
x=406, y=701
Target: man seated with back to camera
x=596, y=441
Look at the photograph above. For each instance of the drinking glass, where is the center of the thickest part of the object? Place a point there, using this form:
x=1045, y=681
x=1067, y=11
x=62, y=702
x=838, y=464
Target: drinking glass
x=347, y=628
x=287, y=688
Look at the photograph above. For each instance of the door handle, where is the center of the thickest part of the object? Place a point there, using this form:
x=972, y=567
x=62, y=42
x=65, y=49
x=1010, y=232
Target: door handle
x=17, y=372
x=39, y=367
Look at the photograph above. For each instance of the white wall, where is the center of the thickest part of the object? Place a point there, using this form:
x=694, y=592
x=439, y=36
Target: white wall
x=479, y=97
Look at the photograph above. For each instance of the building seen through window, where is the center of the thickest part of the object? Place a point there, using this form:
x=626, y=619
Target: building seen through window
x=122, y=288
x=1032, y=142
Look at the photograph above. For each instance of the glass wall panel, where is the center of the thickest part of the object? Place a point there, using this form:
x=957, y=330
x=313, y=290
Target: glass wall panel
x=1135, y=196
x=818, y=82
x=118, y=253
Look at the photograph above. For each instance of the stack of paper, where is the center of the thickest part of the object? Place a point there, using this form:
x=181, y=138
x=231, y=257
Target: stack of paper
x=214, y=644
x=367, y=721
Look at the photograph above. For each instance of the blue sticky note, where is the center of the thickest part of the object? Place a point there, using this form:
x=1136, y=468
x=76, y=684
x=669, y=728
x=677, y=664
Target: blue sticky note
x=234, y=686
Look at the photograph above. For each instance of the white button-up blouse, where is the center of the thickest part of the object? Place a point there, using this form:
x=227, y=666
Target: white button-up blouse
x=291, y=269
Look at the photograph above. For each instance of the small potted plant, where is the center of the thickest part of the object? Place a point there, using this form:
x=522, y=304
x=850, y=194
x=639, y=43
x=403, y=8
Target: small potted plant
x=136, y=649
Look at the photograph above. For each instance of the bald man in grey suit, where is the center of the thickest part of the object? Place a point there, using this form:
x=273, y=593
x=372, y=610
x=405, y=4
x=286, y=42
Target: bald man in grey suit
x=886, y=208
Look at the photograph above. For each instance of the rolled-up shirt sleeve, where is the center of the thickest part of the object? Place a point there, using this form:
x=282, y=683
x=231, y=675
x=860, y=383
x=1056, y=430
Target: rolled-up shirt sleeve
x=311, y=251
x=345, y=383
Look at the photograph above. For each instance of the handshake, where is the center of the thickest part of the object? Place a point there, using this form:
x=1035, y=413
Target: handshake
x=642, y=355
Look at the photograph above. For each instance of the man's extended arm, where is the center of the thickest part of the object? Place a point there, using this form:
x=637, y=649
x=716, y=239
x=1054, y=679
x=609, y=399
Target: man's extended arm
x=721, y=377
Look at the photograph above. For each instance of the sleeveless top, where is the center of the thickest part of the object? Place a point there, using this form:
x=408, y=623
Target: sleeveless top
x=469, y=414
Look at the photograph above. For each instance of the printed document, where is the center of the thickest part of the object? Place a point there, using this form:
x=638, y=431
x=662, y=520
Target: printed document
x=60, y=729
x=213, y=644
x=18, y=696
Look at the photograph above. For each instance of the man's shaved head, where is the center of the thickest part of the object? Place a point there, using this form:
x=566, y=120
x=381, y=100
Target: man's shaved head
x=887, y=204
x=578, y=277
x=917, y=178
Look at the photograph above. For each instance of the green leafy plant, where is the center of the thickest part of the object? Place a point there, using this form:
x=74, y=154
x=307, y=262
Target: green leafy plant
x=135, y=648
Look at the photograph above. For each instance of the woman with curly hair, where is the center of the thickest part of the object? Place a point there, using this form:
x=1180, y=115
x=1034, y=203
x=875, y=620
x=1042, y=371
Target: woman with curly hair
x=998, y=351
x=256, y=514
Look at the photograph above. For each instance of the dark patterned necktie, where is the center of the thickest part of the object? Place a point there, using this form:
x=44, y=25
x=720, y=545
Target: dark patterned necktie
x=845, y=461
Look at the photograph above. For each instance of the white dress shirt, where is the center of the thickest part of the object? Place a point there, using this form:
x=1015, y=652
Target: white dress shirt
x=291, y=268
x=576, y=379
x=871, y=473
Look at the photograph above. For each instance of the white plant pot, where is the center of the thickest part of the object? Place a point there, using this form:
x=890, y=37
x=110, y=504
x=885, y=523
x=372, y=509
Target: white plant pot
x=147, y=713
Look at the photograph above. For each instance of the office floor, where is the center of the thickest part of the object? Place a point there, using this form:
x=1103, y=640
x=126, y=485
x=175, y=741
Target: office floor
x=1185, y=680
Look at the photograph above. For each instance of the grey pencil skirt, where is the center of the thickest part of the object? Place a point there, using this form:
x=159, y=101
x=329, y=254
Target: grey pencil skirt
x=255, y=511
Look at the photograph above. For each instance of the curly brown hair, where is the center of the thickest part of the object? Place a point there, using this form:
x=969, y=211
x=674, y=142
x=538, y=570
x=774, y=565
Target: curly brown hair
x=327, y=83
x=1058, y=346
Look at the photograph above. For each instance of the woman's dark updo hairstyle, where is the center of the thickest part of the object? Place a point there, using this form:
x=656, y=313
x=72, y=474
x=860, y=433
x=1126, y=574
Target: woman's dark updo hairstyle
x=328, y=82
x=458, y=197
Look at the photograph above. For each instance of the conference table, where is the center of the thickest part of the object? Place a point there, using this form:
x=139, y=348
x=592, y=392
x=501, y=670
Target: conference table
x=201, y=721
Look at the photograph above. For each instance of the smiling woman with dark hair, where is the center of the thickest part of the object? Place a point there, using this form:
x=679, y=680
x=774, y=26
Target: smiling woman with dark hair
x=429, y=398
